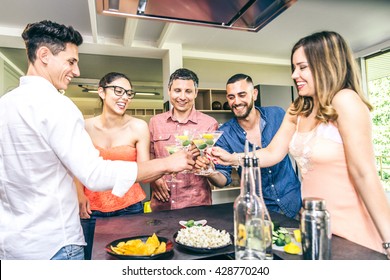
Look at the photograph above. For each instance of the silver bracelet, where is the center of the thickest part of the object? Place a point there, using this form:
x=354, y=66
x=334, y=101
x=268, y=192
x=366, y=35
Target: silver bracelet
x=236, y=166
x=386, y=245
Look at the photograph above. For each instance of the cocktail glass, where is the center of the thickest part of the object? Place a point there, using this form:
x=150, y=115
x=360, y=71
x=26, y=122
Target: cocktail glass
x=184, y=138
x=171, y=149
x=203, y=141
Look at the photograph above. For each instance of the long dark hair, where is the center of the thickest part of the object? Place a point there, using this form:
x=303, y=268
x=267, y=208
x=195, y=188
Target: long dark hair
x=109, y=78
x=112, y=76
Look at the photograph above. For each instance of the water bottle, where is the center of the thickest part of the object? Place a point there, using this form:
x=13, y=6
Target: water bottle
x=267, y=218
x=249, y=236
x=315, y=228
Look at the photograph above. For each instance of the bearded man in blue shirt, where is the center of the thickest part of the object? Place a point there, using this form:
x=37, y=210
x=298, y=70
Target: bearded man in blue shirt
x=280, y=185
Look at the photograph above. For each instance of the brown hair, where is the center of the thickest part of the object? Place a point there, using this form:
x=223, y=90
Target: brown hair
x=333, y=68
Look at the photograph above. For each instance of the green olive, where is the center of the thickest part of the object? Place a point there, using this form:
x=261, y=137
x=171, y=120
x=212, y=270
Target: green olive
x=186, y=143
x=203, y=146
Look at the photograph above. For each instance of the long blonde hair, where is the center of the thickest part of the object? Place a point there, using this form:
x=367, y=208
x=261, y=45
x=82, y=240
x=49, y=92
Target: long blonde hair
x=333, y=68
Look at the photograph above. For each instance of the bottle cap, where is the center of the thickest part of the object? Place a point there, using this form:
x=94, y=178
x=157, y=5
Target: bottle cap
x=314, y=203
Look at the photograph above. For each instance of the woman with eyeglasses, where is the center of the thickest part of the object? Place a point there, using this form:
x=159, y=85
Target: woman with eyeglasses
x=118, y=136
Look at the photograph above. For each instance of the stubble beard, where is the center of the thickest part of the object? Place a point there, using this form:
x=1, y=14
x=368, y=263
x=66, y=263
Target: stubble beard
x=246, y=113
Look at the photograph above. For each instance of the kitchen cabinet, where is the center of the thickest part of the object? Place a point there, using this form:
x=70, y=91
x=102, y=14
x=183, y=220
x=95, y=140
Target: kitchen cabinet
x=228, y=193
x=206, y=97
x=269, y=95
x=140, y=113
x=204, y=103
x=143, y=112
x=136, y=111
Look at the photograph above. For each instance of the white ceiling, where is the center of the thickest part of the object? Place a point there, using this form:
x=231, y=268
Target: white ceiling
x=136, y=46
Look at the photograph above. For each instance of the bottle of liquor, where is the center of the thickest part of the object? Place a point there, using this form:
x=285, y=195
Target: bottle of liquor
x=267, y=218
x=248, y=217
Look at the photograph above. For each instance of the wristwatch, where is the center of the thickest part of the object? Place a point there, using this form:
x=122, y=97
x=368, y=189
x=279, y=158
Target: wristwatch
x=386, y=245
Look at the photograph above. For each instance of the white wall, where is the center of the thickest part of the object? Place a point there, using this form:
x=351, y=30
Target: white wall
x=214, y=74
x=9, y=78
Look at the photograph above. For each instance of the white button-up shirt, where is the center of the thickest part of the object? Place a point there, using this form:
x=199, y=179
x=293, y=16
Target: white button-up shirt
x=43, y=145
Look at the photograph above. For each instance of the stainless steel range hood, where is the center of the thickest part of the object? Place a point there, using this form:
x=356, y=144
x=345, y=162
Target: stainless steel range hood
x=249, y=15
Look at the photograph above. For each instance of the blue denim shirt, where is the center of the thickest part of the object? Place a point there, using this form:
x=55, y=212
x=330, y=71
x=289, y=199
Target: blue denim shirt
x=281, y=186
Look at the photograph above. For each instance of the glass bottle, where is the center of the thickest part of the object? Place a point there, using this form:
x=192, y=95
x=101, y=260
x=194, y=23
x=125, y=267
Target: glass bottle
x=248, y=217
x=267, y=218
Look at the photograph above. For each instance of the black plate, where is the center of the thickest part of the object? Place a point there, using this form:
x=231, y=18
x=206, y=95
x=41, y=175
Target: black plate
x=201, y=250
x=166, y=254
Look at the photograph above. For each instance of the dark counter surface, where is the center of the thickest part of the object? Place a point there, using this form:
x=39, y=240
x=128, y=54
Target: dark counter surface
x=220, y=216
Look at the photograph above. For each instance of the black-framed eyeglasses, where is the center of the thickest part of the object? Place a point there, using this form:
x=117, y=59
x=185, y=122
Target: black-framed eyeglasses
x=120, y=91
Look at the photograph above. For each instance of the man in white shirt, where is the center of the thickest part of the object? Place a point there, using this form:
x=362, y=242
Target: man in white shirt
x=43, y=145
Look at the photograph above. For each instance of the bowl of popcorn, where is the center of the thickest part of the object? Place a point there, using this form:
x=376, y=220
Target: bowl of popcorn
x=202, y=239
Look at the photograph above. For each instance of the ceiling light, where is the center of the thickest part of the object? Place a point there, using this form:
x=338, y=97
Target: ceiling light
x=89, y=88
x=146, y=93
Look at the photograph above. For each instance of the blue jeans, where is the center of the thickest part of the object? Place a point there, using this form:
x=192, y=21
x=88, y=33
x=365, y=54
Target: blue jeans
x=70, y=252
x=130, y=210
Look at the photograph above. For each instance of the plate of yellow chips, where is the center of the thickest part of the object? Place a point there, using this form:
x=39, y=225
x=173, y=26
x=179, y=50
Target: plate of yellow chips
x=140, y=247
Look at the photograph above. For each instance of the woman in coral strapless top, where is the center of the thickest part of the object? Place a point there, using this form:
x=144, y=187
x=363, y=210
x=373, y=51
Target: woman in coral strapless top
x=328, y=131
x=117, y=136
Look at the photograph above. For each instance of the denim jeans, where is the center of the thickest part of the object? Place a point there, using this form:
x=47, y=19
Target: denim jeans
x=70, y=252
x=132, y=209
x=88, y=226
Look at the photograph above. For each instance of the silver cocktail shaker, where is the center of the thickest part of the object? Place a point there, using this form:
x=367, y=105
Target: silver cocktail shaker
x=315, y=228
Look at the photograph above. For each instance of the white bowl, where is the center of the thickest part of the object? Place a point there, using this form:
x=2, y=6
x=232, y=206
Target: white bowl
x=196, y=223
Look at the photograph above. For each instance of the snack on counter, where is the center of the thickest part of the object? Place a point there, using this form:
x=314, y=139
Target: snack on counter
x=203, y=237
x=137, y=247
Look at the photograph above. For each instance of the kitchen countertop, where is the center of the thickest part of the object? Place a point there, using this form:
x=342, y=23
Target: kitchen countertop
x=219, y=216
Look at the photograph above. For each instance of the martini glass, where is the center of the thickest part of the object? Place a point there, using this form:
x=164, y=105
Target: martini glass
x=169, y=150
x=200, y=143
x=184, y=137
x=203, y=141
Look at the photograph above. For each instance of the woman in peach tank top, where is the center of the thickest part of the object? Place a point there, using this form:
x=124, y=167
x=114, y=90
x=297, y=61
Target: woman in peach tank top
x=117, y=136
x=321, y=157
x=328, y=131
